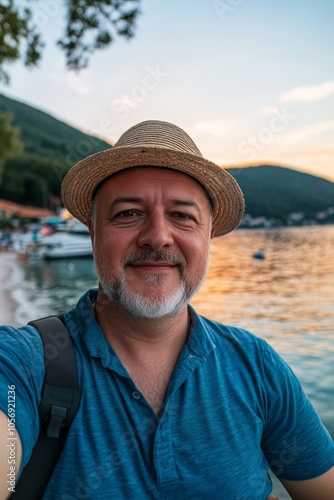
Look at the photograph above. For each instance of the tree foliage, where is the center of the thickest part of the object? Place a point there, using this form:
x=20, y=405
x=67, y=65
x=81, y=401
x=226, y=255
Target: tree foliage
x=90, y=25
x=50, y=148
x=274, y=191
x=17, y=29
x=9, y=139
x=28, y=180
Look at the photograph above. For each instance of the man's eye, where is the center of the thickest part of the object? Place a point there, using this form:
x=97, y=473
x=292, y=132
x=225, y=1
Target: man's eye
x=126, y=213
x=182, y=215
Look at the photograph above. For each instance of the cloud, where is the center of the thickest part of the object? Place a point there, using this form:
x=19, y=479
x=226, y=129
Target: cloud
x=308, y=93
x=304, y=132
x=74, y=82
x=124, y=100
x=215, y=128
x=268, y=110
x=312, y=153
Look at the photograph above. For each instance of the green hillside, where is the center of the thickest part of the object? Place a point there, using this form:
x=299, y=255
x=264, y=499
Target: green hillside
x=51, y=147
x=44, y=135
x=276, y=192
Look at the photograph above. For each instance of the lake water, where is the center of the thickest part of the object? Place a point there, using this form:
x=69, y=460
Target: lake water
x=286, y=298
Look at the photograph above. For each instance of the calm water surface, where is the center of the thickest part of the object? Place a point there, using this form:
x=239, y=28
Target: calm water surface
x=287, y=298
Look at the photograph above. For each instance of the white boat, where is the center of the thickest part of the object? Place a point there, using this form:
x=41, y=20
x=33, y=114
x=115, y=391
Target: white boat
x=73, y=241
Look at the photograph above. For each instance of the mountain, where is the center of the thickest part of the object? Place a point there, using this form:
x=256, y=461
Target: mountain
x=51, y=147
x=278, y=192
x=45, y=136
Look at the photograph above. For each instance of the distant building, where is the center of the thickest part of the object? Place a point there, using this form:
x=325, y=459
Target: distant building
x=10, y=209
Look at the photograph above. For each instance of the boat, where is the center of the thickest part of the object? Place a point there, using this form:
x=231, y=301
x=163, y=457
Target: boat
x=67, y=241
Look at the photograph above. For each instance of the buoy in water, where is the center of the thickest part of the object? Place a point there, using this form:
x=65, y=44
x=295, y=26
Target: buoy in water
x=259, y=255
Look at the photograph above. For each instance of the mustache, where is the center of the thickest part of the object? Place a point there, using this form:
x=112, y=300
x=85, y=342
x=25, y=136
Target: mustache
x=152, y=256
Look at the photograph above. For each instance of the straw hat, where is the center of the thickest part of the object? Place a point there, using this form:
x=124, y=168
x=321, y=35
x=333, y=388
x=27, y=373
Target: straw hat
x=156, y=144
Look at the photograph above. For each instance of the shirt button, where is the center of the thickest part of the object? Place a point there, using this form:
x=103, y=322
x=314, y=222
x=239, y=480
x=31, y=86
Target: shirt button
x=136, y=395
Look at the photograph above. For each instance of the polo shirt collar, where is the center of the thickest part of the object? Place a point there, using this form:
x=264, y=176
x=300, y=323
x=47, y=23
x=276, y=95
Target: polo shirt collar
x=198, y=346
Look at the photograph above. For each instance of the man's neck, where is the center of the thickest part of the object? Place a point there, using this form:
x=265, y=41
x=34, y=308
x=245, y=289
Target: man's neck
x=140, y=338
x=148, y=348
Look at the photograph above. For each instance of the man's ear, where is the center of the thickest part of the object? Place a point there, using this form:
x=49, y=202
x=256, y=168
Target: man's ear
x=213, y=230
x=90, y=226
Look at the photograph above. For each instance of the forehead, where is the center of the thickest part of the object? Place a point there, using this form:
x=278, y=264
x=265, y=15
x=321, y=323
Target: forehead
x=139, y=178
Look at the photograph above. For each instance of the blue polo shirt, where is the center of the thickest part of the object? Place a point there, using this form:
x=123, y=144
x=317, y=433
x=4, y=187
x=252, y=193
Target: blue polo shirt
x=233, y=409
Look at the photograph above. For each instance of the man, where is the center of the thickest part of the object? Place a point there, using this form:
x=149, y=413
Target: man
x=174, y=405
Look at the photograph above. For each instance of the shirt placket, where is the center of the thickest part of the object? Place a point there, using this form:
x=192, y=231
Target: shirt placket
x=163, y=451
x=164, y=456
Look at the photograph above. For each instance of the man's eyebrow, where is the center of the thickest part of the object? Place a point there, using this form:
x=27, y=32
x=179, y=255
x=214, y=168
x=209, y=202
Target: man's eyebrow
x=124, y=199
x=131, y=199
x=186, y=203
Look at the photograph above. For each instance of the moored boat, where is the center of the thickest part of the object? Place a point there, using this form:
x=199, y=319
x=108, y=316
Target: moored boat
x=72, y=240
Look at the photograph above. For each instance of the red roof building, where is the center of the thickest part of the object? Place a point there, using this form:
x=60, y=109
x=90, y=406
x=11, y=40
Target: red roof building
x=11, y=209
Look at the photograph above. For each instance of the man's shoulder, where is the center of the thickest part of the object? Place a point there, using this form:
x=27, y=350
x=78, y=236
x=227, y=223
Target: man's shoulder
x=24, y=334
x=20, y=347
x=223, y=332
x=231, y=343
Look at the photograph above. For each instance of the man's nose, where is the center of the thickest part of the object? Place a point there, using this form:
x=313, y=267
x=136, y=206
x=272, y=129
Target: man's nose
x=156, y=232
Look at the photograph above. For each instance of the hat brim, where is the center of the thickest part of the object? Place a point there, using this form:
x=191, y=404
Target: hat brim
x=79, y=184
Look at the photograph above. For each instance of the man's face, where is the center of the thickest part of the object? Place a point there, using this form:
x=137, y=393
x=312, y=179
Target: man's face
x=151, y=232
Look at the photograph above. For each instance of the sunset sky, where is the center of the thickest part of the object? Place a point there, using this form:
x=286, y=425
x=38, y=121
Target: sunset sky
x=251, y=81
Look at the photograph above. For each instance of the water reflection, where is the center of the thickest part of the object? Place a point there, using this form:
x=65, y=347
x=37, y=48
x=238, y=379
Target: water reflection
x=287, y=298
x=64, y=270
x=294, y=280
x=52, y=286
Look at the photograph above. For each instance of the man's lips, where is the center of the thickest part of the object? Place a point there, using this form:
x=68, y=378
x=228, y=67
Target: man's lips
x=155, y=266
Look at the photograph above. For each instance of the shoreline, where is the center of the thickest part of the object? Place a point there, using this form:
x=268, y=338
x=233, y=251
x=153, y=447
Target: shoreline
x=8, y=304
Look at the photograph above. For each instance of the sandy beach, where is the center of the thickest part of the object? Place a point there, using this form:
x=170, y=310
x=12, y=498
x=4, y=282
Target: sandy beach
x=8, y=305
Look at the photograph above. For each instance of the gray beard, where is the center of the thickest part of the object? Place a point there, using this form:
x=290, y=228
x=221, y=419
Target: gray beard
x=160, y=306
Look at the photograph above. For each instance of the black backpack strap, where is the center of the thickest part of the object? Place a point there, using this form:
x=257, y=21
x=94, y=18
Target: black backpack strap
x=60, y=401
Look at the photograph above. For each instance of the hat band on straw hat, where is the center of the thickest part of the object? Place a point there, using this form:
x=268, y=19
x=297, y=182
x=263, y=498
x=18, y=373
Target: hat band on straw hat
x=154, y=144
